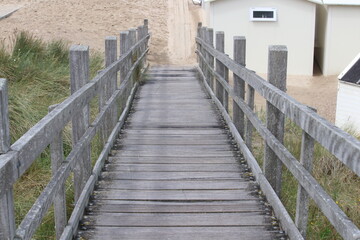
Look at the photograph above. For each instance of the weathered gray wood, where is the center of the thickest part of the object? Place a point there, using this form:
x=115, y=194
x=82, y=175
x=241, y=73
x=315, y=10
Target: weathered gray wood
x=302, y=200
x=275, y=120
x=335, y=215
x=57, y=158
x=168, y=220
x=174, y=185
x=173, y=159
x=168, y=207
x=250, y=100
x=210, y=58
x=111, y=86
x=239, y=84
x=220, y=69
x=124, y=46
x=179, y=233
x=4, y=118
x=173, y=168
x=7, y=213
x=79, y=76
x=279, y=209
x=344, y=146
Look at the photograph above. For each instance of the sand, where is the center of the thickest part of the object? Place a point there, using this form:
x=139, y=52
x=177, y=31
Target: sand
x=172, y=24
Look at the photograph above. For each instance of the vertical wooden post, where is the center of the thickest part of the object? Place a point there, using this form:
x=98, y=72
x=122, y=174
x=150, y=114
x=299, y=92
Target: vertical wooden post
x=146, y=32
x=302, y=201
x=239, y=84
x=57, y=157
x=198, y=46
x=206, y=55
x=7, y=212
x=132, y=41
x=275, y=120
x=79, y=76
x=250, y=100
x=110, y=57
x=202, y=49
x=210, y=41
x=220, y=46
x=124, y=42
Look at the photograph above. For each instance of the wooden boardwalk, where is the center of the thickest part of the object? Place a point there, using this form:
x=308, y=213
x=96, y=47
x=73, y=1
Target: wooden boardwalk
x=175, y=172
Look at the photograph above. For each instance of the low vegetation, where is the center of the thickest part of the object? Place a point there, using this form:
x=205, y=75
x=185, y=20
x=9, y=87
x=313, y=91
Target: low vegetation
x=337, y=180
x=38, y=76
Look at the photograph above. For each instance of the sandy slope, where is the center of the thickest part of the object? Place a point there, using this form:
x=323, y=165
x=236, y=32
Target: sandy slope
x=172, y=23
x=89, y=21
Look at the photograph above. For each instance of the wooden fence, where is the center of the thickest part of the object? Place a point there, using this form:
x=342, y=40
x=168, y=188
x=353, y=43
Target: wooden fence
x=114, y=87
x=279, y=105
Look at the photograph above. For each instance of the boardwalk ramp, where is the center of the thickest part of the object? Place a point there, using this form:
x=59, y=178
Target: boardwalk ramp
x=175, y=172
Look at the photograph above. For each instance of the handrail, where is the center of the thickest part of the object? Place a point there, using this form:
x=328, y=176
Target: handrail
x=309, y=121
x=27, y=148
x=344, y=146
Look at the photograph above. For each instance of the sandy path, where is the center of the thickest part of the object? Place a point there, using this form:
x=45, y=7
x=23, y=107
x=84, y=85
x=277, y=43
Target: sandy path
x=182, y=24
x=172, y=23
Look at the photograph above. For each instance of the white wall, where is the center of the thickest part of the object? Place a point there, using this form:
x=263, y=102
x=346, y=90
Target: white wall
x=348, y=106
x=295, y=28
x=342, y=35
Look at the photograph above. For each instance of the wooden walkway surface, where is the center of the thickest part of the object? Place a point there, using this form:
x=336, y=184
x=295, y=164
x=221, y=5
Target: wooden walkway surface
x=175, y=173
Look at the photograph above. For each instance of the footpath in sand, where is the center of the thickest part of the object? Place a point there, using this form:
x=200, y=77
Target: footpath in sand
x=173, y=26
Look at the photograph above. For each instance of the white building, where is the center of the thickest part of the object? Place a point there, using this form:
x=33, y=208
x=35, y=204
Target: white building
x=264, y=23
x=348, y=99
x=337, y=34
x=326, y=30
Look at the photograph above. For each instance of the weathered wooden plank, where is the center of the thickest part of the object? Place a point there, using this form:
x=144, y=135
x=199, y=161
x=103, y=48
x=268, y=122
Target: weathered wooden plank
x=245, y=206
x=184, y=131
x=163, y=140
x=179, y=233
x=174, y=185
x=172, y=167
x=220, y=69
x=169, y=220
x=172, y=159
x=344, y=146
x=174, y=154
x=178, y=148
x=170, y=176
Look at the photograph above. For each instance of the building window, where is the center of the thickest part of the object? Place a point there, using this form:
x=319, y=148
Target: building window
x=263, y=14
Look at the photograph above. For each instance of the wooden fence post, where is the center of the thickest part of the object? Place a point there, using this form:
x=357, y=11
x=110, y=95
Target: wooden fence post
x=250, y=101
x=210, y=41
x=7, y=212
x=198, y=46
x=239, y=84
x=302, y=201
x=220, y=69
x=79, y=76
x=57, y=157
x=275, y=120
x=202, y=49
x=124, y=42
x=111, y=85
x=133, y=57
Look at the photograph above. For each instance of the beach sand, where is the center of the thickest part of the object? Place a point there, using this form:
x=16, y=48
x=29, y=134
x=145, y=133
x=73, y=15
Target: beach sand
x=172, y=24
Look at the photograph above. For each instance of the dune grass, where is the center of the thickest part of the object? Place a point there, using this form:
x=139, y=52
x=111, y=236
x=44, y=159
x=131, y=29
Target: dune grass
x=38, y=76
x=338, y=181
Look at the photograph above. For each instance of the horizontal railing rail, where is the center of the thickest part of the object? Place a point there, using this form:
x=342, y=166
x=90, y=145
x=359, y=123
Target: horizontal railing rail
x=114, y=96
x=341, y=144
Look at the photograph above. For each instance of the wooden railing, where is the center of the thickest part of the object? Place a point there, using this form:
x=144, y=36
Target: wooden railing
x=114, y=95
x=279, y=105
